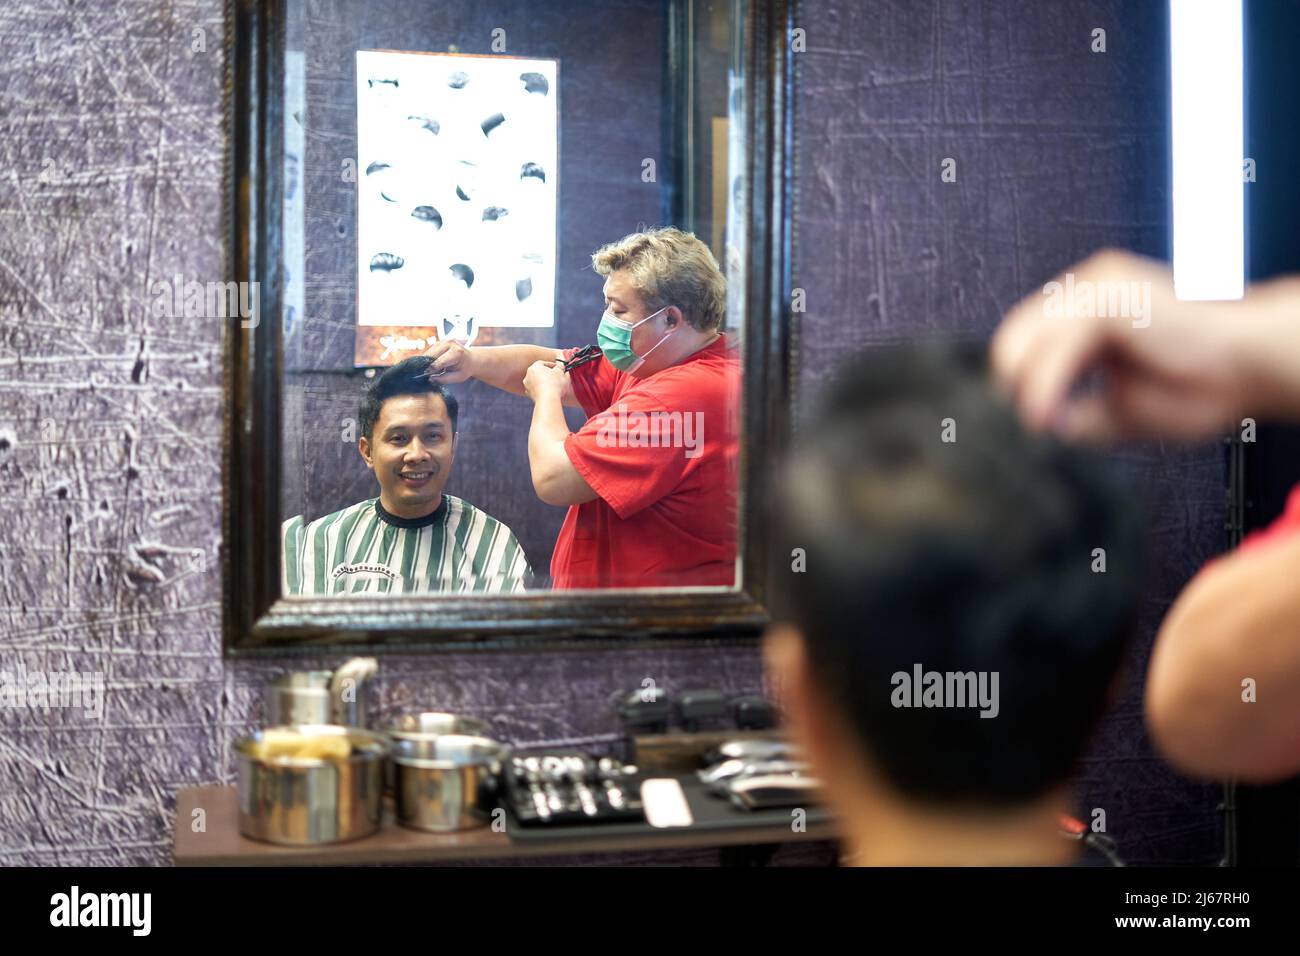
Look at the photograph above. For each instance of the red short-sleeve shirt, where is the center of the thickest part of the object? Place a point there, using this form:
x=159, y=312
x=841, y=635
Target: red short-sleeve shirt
x=1283, y=526
x=661, y=453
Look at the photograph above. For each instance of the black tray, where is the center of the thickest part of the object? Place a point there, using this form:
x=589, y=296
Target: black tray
x=709, y=812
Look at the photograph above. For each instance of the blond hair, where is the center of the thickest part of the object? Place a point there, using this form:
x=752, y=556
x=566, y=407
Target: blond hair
x=670, y=267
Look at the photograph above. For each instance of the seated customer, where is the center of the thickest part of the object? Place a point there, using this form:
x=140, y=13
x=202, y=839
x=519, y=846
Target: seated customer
x=950, y=642
x=411, y=538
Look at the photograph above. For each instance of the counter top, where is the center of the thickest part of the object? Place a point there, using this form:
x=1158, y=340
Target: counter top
x=220, y=844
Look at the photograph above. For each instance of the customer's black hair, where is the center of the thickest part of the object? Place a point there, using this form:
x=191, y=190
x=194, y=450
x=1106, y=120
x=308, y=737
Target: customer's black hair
x=407, y=377
x=974, y=554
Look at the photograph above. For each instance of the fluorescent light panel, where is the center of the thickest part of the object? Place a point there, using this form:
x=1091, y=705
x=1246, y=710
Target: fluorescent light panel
x=1207, y=119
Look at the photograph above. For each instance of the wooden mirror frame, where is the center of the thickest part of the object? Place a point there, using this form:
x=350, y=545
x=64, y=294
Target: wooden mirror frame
x=259, y=620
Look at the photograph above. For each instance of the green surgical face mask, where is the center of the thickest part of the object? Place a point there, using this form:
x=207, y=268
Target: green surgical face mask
x=614, y=336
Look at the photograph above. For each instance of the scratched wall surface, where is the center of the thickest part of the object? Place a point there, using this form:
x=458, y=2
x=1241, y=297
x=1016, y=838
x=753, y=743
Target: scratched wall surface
x=111, y=139
x=110, y=413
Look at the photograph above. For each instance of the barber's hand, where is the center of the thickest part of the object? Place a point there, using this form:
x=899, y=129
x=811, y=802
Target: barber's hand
x=1167, y=368
x=452, y=362
x=545, y=378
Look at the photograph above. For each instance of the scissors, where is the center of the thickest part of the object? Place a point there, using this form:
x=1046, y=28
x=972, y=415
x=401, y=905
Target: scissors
x=588, y=353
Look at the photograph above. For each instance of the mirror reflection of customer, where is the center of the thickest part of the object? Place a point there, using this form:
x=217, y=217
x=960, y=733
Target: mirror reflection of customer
x=947, y=645
x=649, y=479
x=1189, y=370
x=412, y=537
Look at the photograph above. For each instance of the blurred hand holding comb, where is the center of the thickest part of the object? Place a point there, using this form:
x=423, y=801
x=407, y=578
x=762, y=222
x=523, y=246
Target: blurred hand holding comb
x=452, y=363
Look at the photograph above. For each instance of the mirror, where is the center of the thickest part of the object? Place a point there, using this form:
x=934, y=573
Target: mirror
x=523, y=278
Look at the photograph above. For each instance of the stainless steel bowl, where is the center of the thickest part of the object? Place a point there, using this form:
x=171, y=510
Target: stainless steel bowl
x=447, y=782
x=304, y=801
x=425, y=727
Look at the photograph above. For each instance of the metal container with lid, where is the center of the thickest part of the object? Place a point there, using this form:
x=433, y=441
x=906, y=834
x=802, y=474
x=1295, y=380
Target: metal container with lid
x=308, y=799
x=323, y=697
x=434, y=724
x=425, y=727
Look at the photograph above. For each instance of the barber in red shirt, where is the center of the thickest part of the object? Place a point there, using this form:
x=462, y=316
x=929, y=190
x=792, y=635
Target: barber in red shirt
x=650, y=478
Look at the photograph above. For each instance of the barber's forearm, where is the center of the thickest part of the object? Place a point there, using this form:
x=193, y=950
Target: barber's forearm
x=503, y=366
x=1238, y=620
x=547, y=459
x=1267, y=348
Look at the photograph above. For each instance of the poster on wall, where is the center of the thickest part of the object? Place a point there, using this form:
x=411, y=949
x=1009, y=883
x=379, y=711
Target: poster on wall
x=457, y=162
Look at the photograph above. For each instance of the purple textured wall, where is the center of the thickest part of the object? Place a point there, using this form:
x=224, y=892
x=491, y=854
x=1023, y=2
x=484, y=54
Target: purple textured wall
x=110, y=417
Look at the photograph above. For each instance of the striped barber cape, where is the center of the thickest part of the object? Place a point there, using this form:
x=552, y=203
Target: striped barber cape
x=364, y=549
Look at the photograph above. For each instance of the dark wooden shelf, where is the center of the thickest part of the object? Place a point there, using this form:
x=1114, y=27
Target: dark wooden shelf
x=222, y=845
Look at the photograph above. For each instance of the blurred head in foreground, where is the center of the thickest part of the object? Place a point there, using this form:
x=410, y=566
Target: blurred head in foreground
x=954, y=613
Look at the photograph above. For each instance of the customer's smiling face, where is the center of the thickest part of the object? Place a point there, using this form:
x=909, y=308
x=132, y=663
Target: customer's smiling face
x=411, y=450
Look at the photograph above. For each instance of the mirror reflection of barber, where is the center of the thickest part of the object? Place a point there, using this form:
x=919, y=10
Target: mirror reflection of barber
x=650, y=478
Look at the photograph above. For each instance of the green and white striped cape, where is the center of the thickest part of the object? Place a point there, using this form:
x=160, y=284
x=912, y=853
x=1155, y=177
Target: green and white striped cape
x=364, y=549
